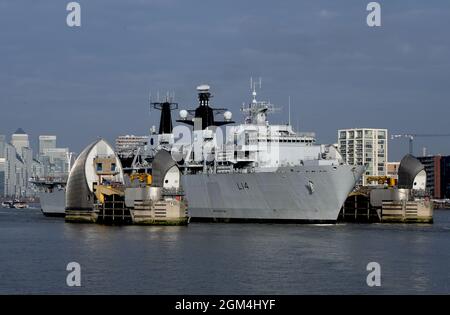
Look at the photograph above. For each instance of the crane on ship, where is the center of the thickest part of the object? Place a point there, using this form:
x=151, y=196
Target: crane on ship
x=412, y=136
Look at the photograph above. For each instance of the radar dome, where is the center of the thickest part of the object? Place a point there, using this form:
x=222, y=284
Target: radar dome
x=183, y=114
x=203, y=88
x=227, y=115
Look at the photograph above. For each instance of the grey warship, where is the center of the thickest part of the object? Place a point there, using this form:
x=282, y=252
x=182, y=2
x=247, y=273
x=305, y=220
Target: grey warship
x=260, y=172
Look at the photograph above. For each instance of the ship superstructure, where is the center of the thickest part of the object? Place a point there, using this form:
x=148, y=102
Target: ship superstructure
x=255, y=170
x=254, y=146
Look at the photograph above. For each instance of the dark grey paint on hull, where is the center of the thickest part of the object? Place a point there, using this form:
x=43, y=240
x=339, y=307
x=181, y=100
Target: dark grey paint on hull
x=273, y=196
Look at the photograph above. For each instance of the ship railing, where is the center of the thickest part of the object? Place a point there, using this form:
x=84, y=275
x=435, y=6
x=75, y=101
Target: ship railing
x=226, y=157
x=224, y=153
x=306, y=134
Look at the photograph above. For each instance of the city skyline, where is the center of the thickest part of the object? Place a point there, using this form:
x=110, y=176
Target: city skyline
x=20, y=162
x=94, y=81
x=34, y=141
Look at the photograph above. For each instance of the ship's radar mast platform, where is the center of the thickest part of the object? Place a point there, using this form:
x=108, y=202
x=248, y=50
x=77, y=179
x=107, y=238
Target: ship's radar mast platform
x=256, y=112
x=204, y=114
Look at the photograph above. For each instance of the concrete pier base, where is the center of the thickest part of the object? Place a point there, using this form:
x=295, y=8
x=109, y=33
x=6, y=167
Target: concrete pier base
x=81, y=216
x=407, y=212
x=164, y=212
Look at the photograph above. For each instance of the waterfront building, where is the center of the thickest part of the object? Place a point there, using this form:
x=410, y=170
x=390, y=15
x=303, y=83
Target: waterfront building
x=2, y=145
x=17, y=171
x=37, y=169
x=392, y=169
x=2, y=164
x=27, y=157
x=56, y=161
x=2, y=176
x=438, y=175
x=10, y=187
x=20, y=164
x=19, y=140
x=445, y=176
x=365, y=146
x=51, y=161
x=125, y=145
x=45, y=165
x=46, y=142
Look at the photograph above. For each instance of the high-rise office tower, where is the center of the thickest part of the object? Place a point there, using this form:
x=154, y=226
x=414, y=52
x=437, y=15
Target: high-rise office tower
x=46, y=142
x=10, y=188
x=20, y=140
x=2, y=145
x=2, y=176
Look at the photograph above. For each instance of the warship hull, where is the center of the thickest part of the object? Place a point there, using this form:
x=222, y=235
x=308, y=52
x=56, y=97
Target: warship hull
x=306, y=194
x=53, y=203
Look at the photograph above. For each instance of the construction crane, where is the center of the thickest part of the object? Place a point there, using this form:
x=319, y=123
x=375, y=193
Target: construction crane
x=411, y=137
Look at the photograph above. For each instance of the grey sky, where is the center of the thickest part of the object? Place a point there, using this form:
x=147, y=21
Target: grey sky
x=80, y=83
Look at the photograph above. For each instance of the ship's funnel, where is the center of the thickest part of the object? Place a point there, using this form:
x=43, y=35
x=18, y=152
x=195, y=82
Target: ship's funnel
x=165, y=122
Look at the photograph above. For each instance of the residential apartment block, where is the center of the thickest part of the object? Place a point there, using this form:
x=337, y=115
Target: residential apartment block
x=365, y=146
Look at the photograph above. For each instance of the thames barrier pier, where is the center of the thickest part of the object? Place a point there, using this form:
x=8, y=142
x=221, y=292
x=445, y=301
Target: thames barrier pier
x=404, y=202
x=163, y=201
x=99, y=192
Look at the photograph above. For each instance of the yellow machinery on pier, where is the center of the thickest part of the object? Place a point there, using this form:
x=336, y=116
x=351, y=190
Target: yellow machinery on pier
x=142, y=178
x=382, y=180
x=107, y=190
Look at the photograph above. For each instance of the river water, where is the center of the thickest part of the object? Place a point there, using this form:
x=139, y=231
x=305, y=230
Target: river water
x=221, y=258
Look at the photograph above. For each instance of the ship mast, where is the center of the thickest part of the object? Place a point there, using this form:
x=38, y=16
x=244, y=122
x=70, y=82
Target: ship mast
x=256, y=112
x=166, y=107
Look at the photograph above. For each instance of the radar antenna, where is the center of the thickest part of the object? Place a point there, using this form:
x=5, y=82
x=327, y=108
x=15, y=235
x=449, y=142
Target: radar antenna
x=289, y=102
x=253, y=87
x=256, y=112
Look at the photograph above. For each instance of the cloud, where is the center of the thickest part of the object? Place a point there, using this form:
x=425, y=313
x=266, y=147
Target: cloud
x=327, y=14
